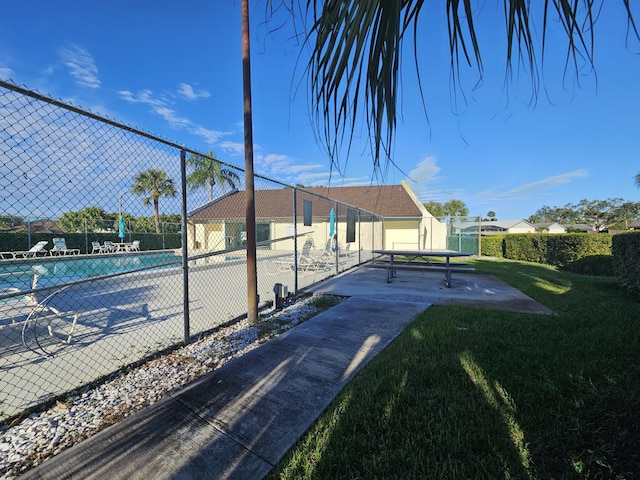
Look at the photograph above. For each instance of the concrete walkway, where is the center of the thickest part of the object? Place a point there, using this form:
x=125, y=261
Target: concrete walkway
x=237, y=422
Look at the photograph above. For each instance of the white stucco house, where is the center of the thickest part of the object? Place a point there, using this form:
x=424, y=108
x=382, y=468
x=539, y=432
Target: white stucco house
x=507, y=227
x=551, y=228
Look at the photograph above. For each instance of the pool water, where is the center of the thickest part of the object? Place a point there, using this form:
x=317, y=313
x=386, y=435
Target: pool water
x=51, y=271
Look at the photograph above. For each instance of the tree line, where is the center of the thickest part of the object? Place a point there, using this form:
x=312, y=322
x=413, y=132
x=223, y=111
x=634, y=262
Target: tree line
x=152, y=185
x=613, y=213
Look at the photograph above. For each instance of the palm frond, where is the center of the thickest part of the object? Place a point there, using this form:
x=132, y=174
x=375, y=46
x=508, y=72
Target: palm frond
x=356, y=54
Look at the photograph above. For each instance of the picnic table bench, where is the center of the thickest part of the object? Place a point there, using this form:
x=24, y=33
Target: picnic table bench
x=421, y=260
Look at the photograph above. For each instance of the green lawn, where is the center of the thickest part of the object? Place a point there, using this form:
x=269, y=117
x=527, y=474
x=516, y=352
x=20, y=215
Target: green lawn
x=471, y=393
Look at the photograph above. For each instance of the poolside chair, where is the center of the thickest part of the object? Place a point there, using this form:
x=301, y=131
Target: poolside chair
x=134, y=247
x=110, y=247
x=33, y=251
x=288, y=263
x=307, y=261
x=41, y=323
x=60, y=248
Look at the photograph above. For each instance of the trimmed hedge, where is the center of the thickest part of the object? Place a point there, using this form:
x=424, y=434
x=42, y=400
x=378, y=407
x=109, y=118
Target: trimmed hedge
x=526, y=247
x=492, y=246
x=556, y=250
x=626, y=261
x=597, y=265
x=563, y=250
x=19, y=241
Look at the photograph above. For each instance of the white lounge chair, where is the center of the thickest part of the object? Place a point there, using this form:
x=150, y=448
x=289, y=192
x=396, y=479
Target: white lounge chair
x=60, y=248
x=41, y=323
x=33, y=251
x=307, y=261
x=110, y=247
x=134, y=246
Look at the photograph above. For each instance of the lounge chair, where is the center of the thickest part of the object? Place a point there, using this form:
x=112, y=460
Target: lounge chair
x=41, y=322
x=33, y=251
x=307, y=261
x=60, y=248
x=134, y=246
x=110, y=247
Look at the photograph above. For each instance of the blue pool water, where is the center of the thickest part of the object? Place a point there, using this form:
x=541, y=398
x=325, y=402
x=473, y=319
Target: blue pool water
x=51, y=271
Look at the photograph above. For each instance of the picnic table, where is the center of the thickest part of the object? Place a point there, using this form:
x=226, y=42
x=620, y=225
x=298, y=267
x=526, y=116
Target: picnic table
x=421, y=260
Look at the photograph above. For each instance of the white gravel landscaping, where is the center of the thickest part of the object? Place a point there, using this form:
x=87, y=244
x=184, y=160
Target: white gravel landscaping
x=35, y=438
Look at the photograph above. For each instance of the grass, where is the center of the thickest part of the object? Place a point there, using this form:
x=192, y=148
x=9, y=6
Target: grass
x=481, y=394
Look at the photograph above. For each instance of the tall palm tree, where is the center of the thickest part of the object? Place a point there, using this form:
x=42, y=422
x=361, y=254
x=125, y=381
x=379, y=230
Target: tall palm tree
x=155, y=184
x=356, y=55
x=638, y=180
x=249, y=193
x=207, y=172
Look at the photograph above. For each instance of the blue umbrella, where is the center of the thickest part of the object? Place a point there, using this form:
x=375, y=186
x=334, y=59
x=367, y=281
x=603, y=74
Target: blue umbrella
x=121, y=233
x=332, y=217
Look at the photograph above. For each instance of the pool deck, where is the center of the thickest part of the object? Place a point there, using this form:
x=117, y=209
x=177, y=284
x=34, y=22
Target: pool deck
x=240, y=420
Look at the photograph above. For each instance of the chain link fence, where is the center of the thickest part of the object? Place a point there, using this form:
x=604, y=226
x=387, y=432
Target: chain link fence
x=116, y=245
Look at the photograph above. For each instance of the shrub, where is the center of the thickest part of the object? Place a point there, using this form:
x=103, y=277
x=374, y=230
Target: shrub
x=626, y=261
x=526, y=247
x=492, y=246
x=18, y=241
x=563, y=250
x=597, y=265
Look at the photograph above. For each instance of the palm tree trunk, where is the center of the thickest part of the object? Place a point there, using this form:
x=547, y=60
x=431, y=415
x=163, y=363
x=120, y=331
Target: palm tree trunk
x=156, y=214
x=250, y=207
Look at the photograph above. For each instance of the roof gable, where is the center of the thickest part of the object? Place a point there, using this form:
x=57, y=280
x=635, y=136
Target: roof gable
x=385, y=200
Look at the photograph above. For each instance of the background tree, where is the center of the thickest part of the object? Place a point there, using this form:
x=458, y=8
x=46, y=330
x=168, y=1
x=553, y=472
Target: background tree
x=435, y=208
x=356, y=55
x=492, y=215
x=638, y=180
x=154, y=184
x=600, y=214
x=90, y=218
x=10, y=221
x=208, y=172
x=455, y=208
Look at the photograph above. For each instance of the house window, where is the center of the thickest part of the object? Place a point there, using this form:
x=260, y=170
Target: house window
x=236, y=234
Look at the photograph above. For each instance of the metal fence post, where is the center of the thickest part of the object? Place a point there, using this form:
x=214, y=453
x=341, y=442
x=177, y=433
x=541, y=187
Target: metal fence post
x=86, y=237
x=295, y=241
x=335, y=244
x=185, y=252
x=359, y=237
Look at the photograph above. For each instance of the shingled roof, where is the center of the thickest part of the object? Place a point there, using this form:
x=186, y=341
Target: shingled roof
x=385, y=200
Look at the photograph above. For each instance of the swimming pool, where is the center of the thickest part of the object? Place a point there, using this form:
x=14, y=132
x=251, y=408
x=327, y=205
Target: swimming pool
x=56, y=270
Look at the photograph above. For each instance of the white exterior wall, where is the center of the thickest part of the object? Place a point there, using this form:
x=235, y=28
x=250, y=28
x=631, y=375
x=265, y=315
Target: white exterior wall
x=522, y=229
x=425, y=234
x=208, y=236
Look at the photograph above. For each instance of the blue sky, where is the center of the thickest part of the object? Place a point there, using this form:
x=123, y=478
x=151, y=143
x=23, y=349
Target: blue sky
x=174, y=69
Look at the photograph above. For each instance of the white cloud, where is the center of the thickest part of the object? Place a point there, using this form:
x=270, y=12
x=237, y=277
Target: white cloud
x=425, y=172
x=186, y=91
x=162, y=107
x=171, y=118
x=235, y=148
x=545, y=183
x=6, y=73
x=81, y=66
x=513, y=201
x=210, y=136
x=532, y=189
